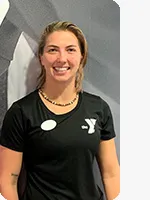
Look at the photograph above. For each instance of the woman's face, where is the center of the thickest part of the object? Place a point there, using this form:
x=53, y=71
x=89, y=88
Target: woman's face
x=61, y=56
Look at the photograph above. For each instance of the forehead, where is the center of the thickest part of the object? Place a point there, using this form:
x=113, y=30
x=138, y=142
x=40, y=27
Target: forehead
x=62, y=37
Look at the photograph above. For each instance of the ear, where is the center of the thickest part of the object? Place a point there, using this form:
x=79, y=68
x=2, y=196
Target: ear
x=41, y=60
x=81, y=59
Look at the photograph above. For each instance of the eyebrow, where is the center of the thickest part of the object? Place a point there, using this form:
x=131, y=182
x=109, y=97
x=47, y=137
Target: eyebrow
x=51, y=45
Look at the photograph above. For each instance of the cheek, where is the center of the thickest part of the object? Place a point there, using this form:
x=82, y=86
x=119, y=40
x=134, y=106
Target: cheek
x=49, y=60
x=75, y=61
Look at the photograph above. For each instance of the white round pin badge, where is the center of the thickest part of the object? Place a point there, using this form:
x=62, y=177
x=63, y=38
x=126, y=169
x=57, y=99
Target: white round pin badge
x=1, y=197
x=48, y=125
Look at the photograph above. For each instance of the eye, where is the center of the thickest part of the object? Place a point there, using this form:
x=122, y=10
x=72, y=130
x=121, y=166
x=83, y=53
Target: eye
x=52, y=50
x=71, y=50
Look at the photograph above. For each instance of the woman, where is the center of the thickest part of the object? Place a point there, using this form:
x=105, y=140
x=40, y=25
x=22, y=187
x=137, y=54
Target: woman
x=58, y=129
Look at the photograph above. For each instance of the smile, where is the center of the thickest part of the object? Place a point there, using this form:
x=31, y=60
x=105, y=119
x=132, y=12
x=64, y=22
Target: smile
x=61, y=69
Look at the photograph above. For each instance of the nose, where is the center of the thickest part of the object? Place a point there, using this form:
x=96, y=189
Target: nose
x=62, y=57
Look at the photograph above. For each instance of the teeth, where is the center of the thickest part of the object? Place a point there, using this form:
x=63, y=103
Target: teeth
x=61, y=69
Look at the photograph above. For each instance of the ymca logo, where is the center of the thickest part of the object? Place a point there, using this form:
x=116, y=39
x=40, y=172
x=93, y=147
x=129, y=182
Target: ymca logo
x=91, y=127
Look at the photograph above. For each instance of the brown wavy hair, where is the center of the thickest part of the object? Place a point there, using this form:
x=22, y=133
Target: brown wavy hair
x=64, y=26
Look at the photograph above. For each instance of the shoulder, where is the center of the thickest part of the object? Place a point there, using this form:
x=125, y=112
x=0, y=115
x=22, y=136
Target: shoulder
x=27, y=100
x=24, y=104
x=94, y=100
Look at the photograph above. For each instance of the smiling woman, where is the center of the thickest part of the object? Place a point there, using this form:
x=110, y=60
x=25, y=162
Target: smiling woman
x=57, y=130
x=66, y=47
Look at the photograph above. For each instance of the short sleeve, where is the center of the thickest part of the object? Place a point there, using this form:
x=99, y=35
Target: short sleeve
x=107, y=131
x=12, y=131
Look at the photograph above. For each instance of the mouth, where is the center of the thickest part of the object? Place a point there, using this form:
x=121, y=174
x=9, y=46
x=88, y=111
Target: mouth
x=61, y=69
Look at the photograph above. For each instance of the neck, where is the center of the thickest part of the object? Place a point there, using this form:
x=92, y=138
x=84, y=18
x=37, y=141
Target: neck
x=60, y=92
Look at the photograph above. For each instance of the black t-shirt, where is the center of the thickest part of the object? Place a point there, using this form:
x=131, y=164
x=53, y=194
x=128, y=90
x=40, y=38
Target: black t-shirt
x=58, y=150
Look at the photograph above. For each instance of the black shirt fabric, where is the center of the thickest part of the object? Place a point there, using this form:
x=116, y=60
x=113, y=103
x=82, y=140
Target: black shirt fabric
x=58, y=154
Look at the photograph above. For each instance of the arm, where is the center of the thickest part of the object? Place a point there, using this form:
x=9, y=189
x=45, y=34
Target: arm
x=10, y=165
x=109, y=168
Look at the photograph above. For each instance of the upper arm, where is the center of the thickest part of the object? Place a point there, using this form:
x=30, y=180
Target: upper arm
x=106, y=155
x=10, y=165
x=107, y=158
x=11, y=145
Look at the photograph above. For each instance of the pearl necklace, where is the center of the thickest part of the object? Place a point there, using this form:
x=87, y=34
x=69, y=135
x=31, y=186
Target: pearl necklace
x=55, y=103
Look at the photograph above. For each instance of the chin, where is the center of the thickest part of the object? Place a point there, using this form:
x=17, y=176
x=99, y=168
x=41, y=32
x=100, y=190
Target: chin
x=64, y=79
